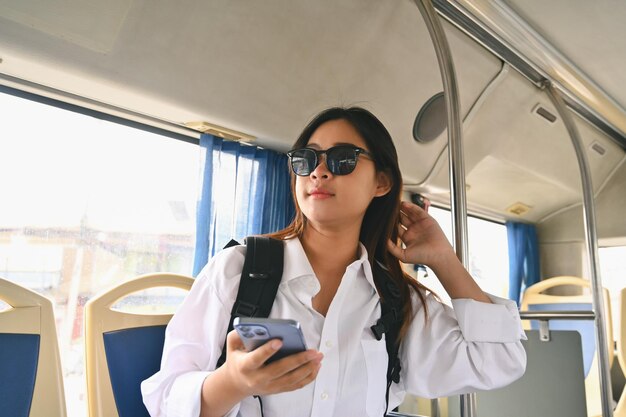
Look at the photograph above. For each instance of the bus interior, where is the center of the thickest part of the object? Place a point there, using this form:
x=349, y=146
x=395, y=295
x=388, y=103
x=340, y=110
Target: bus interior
x=105, y=107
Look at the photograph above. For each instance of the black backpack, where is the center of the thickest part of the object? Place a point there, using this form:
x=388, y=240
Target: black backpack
x=261, y=276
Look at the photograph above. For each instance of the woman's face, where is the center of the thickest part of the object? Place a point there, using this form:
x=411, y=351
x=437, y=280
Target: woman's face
x=339, y=200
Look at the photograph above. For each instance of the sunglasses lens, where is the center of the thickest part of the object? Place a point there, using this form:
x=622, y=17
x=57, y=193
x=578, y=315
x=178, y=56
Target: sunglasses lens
x=303, y=161
x=341, y=160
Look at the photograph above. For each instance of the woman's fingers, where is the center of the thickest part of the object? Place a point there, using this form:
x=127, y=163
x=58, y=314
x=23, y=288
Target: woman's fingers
x=304, y=379
x=233, y=341
x=412, y=216
x=287, y=374
x=289, y=363
x=412, y=211
x=405, y=220
x=406, y=233
x=396, y=250
x=298, y=378
x=257, y=358
x=255, y=377
x=401, y=231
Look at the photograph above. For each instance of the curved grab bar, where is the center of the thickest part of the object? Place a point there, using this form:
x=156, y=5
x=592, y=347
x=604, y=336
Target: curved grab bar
x=456, y=163
x=591, y=238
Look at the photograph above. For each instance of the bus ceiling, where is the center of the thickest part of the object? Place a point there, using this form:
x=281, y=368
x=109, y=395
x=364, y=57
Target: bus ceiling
x=261, y=69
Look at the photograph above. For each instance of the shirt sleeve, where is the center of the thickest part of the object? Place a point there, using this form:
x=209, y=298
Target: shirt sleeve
x=194, y=339
x=475, y=346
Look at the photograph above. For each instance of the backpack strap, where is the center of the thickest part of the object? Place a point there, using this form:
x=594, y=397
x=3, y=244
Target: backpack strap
x=389, y=323
x=260, y=278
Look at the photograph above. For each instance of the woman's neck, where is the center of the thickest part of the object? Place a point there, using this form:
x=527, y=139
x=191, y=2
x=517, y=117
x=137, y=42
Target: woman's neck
x=329, y=254
x=330, y=249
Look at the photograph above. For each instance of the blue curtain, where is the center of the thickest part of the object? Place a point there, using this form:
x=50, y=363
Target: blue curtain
x=245, y=191
x=523, y=258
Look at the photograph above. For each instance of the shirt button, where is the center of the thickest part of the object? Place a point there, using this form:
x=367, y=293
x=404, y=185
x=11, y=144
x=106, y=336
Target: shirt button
x=329, y=343
x=324, y=396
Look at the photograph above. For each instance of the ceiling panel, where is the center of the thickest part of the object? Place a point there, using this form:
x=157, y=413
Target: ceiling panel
x=514, y=155
x=591, y=34
x=263, y=68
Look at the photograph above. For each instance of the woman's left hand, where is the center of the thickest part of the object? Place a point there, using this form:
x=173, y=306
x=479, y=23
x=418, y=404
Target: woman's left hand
x=425, y=243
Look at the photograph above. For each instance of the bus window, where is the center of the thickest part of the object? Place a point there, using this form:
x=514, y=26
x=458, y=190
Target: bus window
x=488, y=252
x=161, y=300
x=87, y=204
x=613, y=274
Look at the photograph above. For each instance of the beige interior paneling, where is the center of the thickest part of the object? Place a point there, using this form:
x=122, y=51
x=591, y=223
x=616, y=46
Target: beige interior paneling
x=610, y=203
x=91, y=24
x=591, y=43
x=514, y=155
x=263, y=68
x=562, y=259
x=539, y=33
x=562, y=227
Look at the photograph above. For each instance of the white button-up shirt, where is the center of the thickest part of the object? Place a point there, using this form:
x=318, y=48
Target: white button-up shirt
x=476, y=346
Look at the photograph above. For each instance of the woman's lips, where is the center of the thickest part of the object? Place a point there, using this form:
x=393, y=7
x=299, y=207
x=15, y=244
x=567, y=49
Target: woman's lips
x=320, y=194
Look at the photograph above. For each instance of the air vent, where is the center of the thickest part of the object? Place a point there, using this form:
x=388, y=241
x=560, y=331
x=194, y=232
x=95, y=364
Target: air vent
x=518, y=209
x=220, y=131
x=598, y=148
x=544, y=113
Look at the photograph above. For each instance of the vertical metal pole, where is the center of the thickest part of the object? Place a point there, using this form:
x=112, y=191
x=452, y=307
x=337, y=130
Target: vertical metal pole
x=455, y=151
x=434, y=408
x=592, y=250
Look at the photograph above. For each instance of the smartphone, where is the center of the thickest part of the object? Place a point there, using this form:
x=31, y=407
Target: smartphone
x=421, y=201
x=255, y=332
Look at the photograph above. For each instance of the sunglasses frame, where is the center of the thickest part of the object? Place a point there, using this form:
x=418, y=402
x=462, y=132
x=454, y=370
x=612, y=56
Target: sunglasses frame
x=357, y=150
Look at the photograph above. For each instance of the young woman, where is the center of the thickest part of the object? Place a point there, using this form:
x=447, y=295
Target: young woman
x=347, y=187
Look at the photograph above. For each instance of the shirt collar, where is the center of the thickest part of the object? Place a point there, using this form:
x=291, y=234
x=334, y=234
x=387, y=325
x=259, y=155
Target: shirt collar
x=296, y=263
x=367, y=268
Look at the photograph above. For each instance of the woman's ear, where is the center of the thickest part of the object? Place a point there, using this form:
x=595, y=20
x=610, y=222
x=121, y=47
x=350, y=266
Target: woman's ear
x=384, y=183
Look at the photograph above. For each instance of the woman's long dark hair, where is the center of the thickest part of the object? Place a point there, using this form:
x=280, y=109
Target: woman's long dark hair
x=374, y=230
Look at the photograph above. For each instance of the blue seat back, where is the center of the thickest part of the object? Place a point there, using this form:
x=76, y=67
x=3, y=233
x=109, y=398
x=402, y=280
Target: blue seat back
x=584, y=327
x=19, y=356
x=132, y=355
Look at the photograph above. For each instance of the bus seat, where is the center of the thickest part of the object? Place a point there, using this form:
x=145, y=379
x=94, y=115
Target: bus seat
x=553, y=384
x=31, y=377
x=620, y=410
x=123, y=348
x=535, y=298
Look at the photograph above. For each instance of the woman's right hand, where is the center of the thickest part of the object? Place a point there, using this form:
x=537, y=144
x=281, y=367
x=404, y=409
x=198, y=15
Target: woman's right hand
x=252, y=376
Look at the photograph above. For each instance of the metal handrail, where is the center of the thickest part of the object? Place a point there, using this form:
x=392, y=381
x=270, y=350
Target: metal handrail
x=459, y=209
x=557, y=315
x=455, y=151
x=396, y=414
x=544, y=317
x=591, y=239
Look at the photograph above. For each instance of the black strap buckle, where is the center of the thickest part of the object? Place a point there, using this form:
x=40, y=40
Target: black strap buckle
x=244, y=309
x=379, y=329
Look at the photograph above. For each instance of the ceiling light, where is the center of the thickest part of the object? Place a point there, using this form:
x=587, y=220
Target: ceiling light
x=220, y=131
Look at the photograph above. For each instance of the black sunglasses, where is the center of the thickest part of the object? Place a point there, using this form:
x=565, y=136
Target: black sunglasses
x=340, y=160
